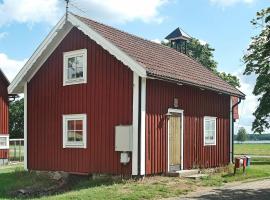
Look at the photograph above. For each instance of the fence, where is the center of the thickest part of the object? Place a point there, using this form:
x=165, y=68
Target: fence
x=16, y=150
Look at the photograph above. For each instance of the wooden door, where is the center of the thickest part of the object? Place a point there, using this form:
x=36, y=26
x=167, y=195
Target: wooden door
x=175, y=142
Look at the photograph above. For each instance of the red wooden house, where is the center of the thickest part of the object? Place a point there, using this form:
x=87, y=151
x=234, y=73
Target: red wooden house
x=100, y=100
x=4, y=137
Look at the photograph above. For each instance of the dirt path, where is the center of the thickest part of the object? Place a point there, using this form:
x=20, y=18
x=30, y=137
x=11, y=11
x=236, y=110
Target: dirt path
x=259, y=190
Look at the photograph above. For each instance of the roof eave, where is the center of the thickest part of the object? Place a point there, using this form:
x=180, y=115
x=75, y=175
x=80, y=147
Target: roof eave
x=164, y=78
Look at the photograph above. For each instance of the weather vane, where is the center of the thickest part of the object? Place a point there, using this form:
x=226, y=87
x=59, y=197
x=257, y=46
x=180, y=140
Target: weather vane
x=67, y=2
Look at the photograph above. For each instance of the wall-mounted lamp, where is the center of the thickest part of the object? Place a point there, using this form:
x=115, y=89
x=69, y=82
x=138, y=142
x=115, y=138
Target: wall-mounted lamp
x=175, y=102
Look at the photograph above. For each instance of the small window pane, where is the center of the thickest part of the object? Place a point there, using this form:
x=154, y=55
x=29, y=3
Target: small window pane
x=71, y=137
x=3, y=141
x=79, y=72
x=75, y=67
x=209, y=130
x=79, y=136
x=79, y=61
x=79, y=125
x=71, y=125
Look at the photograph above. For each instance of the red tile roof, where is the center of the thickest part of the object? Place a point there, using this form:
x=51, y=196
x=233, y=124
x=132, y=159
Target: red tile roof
x=161, y=61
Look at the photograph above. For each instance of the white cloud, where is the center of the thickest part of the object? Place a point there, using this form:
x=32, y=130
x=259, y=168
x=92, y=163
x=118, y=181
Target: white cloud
x=3, y=35
x=49, y=11
x=29, y=11
x=202, y=42
x=249, y=105
x=9, y=66
x=225, y=3
x=156, y=41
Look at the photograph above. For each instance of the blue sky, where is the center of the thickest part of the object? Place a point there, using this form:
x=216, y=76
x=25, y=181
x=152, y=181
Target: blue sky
x=224, y=24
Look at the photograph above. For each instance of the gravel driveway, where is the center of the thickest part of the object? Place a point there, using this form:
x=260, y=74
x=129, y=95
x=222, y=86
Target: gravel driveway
x=259, y=190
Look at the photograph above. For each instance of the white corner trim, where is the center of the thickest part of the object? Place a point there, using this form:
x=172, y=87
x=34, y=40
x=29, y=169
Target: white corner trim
x=68, y=117
x=107, y=45
x=6, y=136
x=143, y=111
x=215, y=128
x=66, y=56
x=179, y=111
x=25, y=128
x=135, y=112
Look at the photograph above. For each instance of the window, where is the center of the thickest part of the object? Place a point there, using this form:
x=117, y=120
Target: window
x=75, y=67
x=4, y=141
x=210, y=131
x=74, y=131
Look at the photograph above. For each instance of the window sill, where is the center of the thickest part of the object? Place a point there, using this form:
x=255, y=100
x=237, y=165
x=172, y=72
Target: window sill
x=75, y=82
x=209, y=145
x=74, y=146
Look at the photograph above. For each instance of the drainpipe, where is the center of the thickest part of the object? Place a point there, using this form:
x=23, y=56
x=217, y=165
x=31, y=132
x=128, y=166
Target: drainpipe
x=232, y=129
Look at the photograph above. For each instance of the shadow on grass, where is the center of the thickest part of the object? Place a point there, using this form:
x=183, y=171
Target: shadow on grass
x=37, y=186
x=259, y=194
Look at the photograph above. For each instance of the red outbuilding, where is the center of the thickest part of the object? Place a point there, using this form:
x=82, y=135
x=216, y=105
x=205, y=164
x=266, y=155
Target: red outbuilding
x=100, y=100
x=4, y=136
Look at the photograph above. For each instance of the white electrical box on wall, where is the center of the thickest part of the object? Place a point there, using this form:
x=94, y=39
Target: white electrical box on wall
x=123, y=138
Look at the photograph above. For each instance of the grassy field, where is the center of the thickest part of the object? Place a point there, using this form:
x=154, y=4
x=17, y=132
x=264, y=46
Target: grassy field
x=14, y=178
x=252, y=149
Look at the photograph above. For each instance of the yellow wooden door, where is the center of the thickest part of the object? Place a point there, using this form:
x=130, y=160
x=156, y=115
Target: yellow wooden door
x=175, y=142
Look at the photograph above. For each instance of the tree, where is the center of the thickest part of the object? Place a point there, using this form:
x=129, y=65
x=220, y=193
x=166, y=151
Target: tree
x=241, y=135
x=203, y=53
x=257, y=60
x=16, y=119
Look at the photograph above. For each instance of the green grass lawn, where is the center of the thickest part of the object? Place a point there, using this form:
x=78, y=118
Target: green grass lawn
x=252, y=149
x=255, y=171
x=14, y=178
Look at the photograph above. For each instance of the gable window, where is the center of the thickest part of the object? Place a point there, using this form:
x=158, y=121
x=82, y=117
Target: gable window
x=75, y=67
x=74, y=131
x=4, y=141
x=209, y=131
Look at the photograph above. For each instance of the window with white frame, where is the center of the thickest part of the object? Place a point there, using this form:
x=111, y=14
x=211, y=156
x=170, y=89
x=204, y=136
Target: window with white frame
x=209, y=130
x=4, y=141
x=75, y=67
x=74, y=131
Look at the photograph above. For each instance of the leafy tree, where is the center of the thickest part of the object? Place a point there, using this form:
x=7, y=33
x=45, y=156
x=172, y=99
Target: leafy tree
x=203, y=53
x=257, y=61
x=241, y=135
x=229, y=78
x=16, y=119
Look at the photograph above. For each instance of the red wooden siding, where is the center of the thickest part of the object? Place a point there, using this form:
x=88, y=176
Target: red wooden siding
x=235, y=110
x=106, y=99
x=3, y=112
x=196, y=104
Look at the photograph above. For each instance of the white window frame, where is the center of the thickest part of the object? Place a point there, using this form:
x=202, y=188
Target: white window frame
x=66, y=143
x=7, y=141
x=207, y=118
x=70, y=54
